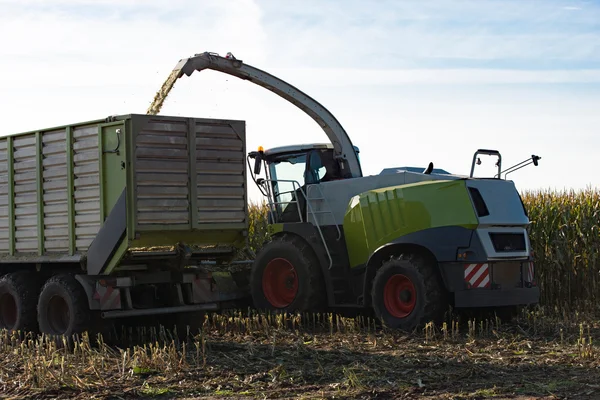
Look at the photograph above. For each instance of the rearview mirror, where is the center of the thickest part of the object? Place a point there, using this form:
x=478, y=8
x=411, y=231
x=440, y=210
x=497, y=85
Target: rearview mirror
x=257, y=165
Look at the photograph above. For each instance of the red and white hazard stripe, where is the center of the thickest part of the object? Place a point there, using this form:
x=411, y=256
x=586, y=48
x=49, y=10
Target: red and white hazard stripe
x=477, y=275
x=108, y=297
x=530, y=272
x=202, y=290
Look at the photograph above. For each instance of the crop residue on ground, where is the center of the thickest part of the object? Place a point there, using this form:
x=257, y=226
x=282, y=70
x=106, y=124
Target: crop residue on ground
x=272, y=357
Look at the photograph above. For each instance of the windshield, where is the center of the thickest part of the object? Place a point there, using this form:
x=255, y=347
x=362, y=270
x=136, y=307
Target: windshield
x=287, y=170
x=290, y=173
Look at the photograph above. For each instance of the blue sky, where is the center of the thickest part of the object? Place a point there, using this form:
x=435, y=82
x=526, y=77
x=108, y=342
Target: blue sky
x=410, y=81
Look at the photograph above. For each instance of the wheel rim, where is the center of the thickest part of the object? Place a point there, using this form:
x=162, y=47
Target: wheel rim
x=280, y=282
x=58, y=315
x=8, y=311
x=399, y=296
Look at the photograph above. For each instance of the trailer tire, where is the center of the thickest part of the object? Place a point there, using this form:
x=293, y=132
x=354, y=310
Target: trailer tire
x=407, y=292
x=286, y=277
x=63, y=307
x=18, y=301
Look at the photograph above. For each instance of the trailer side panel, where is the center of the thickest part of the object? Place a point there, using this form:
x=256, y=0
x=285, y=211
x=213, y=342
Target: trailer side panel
x=195, y=169
x=221, y=173
x=86, y=185
x=5, y=183
x=26, y=194
x=162, y=162
x=55, y=197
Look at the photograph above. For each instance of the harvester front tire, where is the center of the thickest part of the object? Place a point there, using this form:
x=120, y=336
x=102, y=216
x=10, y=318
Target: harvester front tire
x=63, y=307
x=18, y=300
x=286, y=277
x=407, y=293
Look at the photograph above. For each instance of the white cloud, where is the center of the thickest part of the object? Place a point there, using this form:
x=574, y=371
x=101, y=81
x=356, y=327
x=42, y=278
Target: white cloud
x=411, y=33
x=370, y=63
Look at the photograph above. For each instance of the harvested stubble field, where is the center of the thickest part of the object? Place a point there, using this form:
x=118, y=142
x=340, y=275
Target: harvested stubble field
x=547, y=352
x=305, y=357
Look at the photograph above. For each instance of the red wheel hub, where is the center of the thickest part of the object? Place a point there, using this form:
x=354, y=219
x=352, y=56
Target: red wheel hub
x=280, y=282
x=399, y=296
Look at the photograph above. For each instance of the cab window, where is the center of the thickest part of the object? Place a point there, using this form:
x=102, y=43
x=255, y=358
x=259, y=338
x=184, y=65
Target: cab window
x=287, y=174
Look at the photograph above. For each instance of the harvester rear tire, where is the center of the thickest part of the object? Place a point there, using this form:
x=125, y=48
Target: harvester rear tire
x=407, y=293
x=18, y=300
x=63, y=307
x=286, y=277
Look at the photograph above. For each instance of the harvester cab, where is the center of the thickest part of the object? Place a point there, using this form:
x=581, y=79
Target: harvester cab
x=288, y=171
x=405, y=243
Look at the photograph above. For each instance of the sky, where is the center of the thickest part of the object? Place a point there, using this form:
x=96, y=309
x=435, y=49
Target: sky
x=410, y=81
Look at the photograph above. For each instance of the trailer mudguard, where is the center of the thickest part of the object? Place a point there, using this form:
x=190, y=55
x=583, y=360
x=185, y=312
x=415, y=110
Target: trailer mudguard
x=109, y=237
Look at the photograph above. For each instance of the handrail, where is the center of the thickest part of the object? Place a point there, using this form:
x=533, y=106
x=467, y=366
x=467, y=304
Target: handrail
x=532, y=160
x=489, y=153
x=328, y=209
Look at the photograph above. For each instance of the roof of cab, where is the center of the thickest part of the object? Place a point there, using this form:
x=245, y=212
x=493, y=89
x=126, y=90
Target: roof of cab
x=294, y=148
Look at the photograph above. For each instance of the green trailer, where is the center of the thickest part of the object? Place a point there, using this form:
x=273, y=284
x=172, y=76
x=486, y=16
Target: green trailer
x=125, y=216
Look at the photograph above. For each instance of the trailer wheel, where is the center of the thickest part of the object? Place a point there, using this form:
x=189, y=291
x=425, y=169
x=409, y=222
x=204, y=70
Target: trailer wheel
x=286, y=276
x=18, y=299
x=63, y=307
x=407, y=293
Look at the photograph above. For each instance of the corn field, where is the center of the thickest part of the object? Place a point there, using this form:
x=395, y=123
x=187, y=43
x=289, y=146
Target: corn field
x=565, y=235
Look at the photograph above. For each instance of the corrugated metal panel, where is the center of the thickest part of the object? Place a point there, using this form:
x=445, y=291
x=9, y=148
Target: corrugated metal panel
x=4, y=185
x=56, y=217
x=220, y=167
x=188, y=172
x=162, y=173
x=86, y=183
x=25, y=178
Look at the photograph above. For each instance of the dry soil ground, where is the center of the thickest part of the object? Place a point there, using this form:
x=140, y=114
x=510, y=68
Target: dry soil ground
x=241, y=357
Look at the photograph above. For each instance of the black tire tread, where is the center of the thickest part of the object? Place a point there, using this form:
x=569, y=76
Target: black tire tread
x=436, y=297
x=80, y=309
x=316, y=297
x=27, y=286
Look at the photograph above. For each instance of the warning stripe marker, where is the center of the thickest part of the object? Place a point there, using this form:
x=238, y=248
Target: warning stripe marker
x=477, y=275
